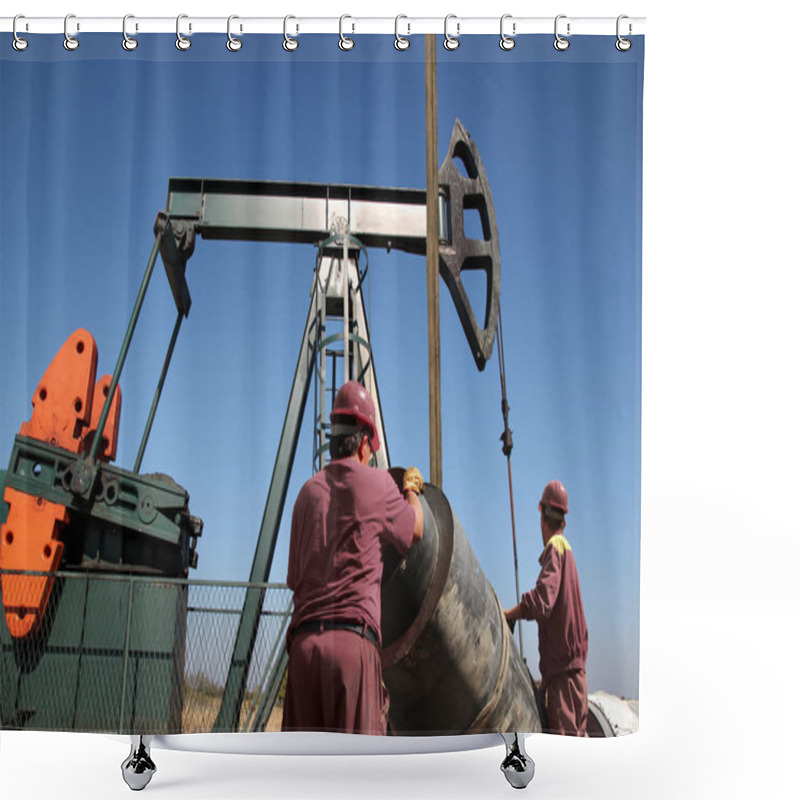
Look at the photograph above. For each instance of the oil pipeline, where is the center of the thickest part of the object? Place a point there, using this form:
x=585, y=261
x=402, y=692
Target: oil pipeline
x=449, y=659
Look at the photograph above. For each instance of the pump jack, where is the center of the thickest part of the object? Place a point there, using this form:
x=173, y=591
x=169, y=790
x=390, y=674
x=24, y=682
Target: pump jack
x=342, y=221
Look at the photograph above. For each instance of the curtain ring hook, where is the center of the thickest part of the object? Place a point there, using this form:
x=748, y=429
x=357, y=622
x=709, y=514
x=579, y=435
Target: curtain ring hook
x=290, y=44
x=70, y=42
x=622, y=44
x=344, y=42
x=19, y=44
x=128, y=42
x=400, y=42
x=560, y=43
x=233, y=44
x=507, y=42
x=451, y=42
x=181, y=42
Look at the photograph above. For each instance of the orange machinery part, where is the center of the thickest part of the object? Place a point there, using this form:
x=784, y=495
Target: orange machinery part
x=108, y=447
x=65, y=415
x=29, y=542
x=62, y=402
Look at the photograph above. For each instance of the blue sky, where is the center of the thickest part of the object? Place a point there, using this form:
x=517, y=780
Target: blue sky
x=88, y=141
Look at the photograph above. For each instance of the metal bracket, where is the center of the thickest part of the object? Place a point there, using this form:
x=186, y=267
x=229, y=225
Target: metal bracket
x=152, y=505
x=177, y=245
x=459, y=253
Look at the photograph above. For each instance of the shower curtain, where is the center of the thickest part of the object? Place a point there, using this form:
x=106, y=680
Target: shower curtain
x=175, y=226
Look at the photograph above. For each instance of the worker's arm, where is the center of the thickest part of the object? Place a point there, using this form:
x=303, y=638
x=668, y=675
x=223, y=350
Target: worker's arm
x=404, y=515
x=538, y=603
x=413, y=500
x=413, y=487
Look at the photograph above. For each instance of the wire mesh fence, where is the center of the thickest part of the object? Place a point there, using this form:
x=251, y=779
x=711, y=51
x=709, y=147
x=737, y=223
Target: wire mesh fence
x=135, y=654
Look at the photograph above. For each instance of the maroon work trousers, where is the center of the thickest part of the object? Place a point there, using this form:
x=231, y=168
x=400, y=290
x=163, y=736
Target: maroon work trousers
x=335, y=684
x=567, y=703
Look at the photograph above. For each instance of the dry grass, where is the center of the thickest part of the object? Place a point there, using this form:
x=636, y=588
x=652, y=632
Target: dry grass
x=202, y=701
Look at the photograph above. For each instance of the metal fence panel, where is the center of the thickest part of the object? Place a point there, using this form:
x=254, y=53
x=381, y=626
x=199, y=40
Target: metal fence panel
x=138, y=654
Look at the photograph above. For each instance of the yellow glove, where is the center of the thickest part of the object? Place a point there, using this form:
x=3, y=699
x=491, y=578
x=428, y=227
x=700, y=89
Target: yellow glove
x=413, y=480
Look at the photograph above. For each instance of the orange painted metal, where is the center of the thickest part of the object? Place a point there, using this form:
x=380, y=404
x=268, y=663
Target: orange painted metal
x=108, y=447
x=66, y=412
x=29, y=541
x=62, y=402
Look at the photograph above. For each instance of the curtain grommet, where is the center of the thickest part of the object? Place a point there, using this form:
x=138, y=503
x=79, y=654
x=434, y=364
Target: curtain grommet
x=622, y=44
x=70, y=42
x=129, y=43
x=507, y=42
x=560, y=43
x=19, y=44
x=233, y=44
x=290, y=44
x=401, y=42
x=345, y=43
x=181, y=42
x=451, y=42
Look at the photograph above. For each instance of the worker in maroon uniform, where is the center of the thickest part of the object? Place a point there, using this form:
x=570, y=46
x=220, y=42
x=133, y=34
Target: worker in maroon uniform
x=555, y=603
x=342, y=519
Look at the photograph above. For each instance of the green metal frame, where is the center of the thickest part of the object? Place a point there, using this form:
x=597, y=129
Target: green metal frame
x=139, y=503
x=267, y=536
x=114, y=653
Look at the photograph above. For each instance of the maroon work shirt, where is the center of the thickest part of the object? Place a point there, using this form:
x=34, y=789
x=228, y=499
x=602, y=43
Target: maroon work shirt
x=555, y=603
x=342, y=518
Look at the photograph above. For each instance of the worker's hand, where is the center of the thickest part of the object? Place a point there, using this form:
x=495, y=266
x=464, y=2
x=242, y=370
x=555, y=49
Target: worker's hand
x=511, y=619
x=413, y=480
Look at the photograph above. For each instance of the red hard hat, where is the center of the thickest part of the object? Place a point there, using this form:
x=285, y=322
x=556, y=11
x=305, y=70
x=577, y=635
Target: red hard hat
x=554, y=495
x=353, y=400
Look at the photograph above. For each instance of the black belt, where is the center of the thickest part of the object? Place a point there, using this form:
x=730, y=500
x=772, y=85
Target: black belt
x=320, y=625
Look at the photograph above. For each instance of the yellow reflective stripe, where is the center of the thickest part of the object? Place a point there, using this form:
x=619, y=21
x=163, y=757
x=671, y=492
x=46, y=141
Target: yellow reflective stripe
x=560, y=543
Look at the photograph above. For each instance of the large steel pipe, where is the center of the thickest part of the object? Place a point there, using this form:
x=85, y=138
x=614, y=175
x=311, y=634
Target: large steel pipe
x=449, y=660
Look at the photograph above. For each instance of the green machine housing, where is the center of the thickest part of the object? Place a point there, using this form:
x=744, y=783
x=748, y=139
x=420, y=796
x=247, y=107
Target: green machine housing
x=108, y=652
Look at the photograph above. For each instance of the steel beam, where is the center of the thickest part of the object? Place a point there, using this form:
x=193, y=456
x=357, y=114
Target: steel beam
x=299, y=212
x=275, y=211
